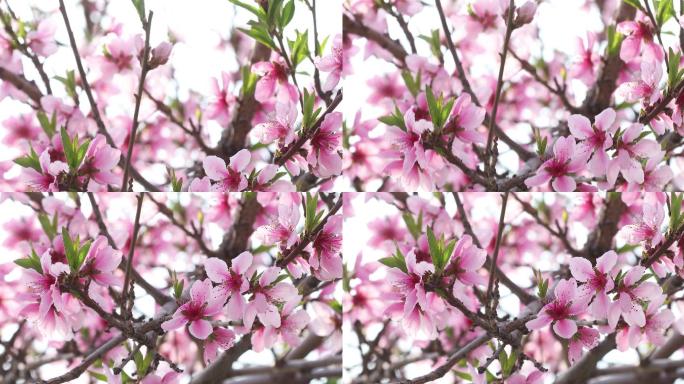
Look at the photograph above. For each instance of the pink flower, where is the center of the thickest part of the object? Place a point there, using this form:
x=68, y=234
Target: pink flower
x=45, y=285
x=325, y=143
x=411, y=299
x=638, y=32
x=631, y=294
x=283, y=229
x=222, y=102
x=160, y=54
x=630, y=148
x=647, y=89
x=229, y=178
x=465, y=261
x=647, y=229
x=326, y=260
x=410, y=144
x=656, y=175
x=99, y=161
x=121, y=53
x=596, y=139
x=465, y=118
x=266, y=296
x=42, y=39
x=204, y=303
x=598, y=281
x=274, y=79
x=291, y=324
x=584, y=68
x=566, y=305
x=20, y=129
x=567, y=161
x=20, y=231
x=386, y=230
x=232, y=282
x=656, y=324
x=221, y=338
x=46, y=179
x=280, y=128
x=169, y=378
x=100, y=264
x=332, y=64
x=584, y=338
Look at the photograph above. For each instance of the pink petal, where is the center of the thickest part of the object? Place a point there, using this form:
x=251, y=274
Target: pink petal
x=581, y=268
x=175, y=322
x=580, y=126
x=201, y=329
x=565, y=328
x=240, y=160
x=215, y=167
x=216, y=269
x=241, y=263
x=564, y=184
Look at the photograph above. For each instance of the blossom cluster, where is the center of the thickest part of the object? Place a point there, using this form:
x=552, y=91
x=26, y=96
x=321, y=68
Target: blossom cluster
x=445, y=281
x=86, y=277
x=108, y=123
x=488, y=99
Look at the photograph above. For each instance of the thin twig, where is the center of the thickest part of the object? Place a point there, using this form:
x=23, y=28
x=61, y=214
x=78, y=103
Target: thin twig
x=131, y=251
x=93, y=105
x=138, y=99
x=489, y=168
x=497, y=246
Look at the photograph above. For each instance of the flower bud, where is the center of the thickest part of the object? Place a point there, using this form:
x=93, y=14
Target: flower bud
x=160, y=54
x=525, y=14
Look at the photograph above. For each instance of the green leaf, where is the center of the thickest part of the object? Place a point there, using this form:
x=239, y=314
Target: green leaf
x=414, y=226
x=439, y=111
x=413, y=85
x=635, y=3
x=396, y=119
x=49, y=125
x=274, y=8
x=256, y=10
x=140, y=8
x=463, y=375
x=288, y=14
x=83, y=252
x=98, y=376
x=391, y=262
x=395, y=261
x=507, y=368
x=308, y=114
x=434, y=42
x=664, y=11
x=433, y=107
x=30, y=262
x=31, y=160
x=346, y=278
x=49, y=226
x=71, y=249
x=614, y=41
x=68, y=149
x=261, y=35
x=299, y=48
x=675, y=211
x=437, y=250
x=310, y=215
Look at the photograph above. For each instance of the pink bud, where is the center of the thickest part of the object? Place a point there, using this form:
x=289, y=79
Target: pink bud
x=525, y=14
x=160, y=54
